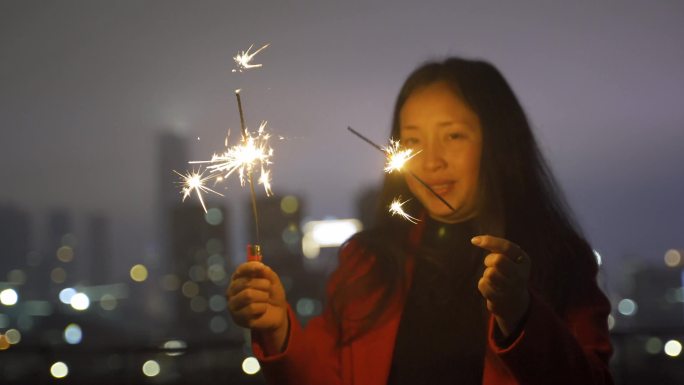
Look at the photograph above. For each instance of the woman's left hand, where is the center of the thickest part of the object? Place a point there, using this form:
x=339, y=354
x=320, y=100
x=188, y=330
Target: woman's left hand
x=504, y=281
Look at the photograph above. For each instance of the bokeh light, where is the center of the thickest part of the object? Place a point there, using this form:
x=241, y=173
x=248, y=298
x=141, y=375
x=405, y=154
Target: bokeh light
x=59, y=370
x=65, y=254
x=654, y=345
x=80, y=301
x=673, y=258
x=108, y=302
x=58, y=275
x=214, y=216
x=9, y=297
x=217, y=303
x=174, y=347
x=627, y=307
x=13, y=336
x=190, y=289
x=308, y=307
x=4, y=343
x=289, y=204
x=216, y=273
x=151, y=368
x=73, y=334
x=66, y=294
x=170, y=282
x=250, y=365
x=138, y=273
x=673, y=348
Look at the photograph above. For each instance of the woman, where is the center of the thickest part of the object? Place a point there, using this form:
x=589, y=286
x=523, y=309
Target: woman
x=498, y=287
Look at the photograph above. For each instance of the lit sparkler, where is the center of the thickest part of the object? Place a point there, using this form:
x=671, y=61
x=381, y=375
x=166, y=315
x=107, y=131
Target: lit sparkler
x=396, y=208
x=244, y=59
x=252, y=152
x=397, y=156
x=194, y=181
x=396, y=159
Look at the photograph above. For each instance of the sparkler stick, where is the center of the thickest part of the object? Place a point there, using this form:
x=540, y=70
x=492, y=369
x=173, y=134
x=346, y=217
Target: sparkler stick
x=385, y=151
x=250, y=178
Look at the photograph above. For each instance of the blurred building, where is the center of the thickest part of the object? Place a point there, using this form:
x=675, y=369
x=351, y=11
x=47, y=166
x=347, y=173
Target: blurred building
x=198, y=245
x=15, y=239
x=657, y=299
x=172, y=154
x=98, y=249
x=56, y=268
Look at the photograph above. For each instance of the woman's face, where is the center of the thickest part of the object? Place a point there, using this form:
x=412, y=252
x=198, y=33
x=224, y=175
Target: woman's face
x=435, y=121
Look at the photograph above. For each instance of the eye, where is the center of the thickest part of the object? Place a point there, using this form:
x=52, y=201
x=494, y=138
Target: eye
x=455, y=136
x=409, y=142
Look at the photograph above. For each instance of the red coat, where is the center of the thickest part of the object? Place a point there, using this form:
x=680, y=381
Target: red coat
x=573, y=348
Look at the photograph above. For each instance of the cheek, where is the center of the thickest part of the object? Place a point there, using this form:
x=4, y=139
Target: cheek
x=412, y=184
x=473, y=172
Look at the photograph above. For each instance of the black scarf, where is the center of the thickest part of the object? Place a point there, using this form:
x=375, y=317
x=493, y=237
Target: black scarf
x=442, y=333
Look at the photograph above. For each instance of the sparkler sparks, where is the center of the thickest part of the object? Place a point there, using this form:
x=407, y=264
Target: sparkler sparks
x=252, y=152
x=244, y=59
x=396, y=208
x=396, y=159
x=194, y=181
x=397, y=156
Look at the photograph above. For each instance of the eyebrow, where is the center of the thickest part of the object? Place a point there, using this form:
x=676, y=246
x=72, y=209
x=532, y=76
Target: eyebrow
x=448, y=123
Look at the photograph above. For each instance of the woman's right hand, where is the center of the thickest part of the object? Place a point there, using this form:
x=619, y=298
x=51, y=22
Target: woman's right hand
x=256, y=300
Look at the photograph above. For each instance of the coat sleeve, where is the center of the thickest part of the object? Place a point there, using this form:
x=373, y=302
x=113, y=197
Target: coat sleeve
x=312, y=354
x=572, y=349
x=310, y=357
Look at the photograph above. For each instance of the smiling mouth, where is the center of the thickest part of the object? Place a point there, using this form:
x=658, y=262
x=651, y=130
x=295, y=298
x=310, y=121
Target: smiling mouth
x=442, y=188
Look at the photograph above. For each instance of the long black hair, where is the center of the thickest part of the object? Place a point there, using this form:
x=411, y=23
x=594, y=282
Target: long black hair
x=518, y=199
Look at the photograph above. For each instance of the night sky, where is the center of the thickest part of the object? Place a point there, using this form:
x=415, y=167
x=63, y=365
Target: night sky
x=86, y=87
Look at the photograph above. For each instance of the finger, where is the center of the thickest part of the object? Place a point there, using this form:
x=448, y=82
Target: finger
x=504, y=264
x=250, y=312
x=243, y=283
x=498, y=280
x=256, y=269
x=489, y=291
x=246, y=298
x=248, y=269
x=498, y=245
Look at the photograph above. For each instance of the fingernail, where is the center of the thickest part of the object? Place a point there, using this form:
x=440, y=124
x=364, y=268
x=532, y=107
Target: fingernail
x=476, y=240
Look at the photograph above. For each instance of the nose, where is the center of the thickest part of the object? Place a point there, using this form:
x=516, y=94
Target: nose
x=433, y=156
